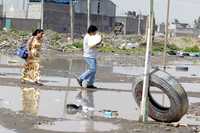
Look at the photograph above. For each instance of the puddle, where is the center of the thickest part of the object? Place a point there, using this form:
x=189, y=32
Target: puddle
x=10, y=71
x=53, y=103
x=14, y=60
x=5, y=130
x=78, y=126
x=134, y=70
x=10, y=98
x=36, y=101
x=128, y=70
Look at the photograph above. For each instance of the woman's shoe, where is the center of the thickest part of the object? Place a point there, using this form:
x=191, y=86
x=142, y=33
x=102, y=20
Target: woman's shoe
x=39, y=83
x=22, y=81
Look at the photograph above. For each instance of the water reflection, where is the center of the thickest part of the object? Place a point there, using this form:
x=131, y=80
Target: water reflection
x=83, y=104
x=30, y=99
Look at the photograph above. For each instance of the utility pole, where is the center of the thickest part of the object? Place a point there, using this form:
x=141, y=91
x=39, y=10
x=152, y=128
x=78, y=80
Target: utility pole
x=72, y=20
x=88, y=13
x=4, y=10
x=42, y=15
x=166, y=35
x=139, y=24
x=125, y=25
x=145, y=100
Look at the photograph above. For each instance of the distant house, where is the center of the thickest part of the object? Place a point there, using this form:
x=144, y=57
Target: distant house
x=181, y=29
x=132, y=23
x=161, y=28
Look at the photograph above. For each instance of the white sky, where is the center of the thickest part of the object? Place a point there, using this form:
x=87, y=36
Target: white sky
x=183, y=10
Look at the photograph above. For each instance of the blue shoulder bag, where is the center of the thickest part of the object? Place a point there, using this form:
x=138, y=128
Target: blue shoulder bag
x=22, y=51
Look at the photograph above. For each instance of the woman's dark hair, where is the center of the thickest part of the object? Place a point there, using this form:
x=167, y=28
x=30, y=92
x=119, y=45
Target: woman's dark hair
x=37, y=31
x=92, y=29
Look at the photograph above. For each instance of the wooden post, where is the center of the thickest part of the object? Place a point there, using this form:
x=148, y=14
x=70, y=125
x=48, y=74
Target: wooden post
x=166, y=35
x=88, y=13
x=42, y=15
x=72, y=20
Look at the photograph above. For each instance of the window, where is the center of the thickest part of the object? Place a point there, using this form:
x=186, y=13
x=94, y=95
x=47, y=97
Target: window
x=34, y=0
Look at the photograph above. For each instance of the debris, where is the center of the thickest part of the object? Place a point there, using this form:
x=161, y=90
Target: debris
x=136, y=130
x=182, y=54
x=179, y=125
x=132, y=45
x=2, y=74
x=110, y=114
x=12, y=61
x=168, y=129
x=182, y=68
x=123, y=46
x=194, y=54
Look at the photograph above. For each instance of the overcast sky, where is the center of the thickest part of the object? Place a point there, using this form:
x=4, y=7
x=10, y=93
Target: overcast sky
x=183, y=10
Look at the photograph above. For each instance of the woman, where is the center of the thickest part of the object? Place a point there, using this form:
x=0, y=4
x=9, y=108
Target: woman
x=31, y=71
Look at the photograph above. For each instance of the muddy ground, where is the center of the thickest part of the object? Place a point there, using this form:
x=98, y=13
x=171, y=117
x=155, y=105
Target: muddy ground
x=27, y=108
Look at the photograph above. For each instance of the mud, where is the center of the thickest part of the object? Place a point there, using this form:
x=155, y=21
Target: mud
x=28, y=108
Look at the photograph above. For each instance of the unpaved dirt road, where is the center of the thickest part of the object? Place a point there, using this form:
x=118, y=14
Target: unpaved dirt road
x=42, y=109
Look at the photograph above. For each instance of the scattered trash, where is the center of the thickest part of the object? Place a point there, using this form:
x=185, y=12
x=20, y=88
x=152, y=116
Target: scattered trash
x=74, y=109
x=191, y=54
x=132, y=45
x=195, y=54
x=182, y=54
x=182, y=68
x=194, y=75
x=129, y=45
x=123, y=46
x=12, y=61
x=136, y=130
x=179, y=125
x=110, y=114
x=2, y=74
x=168, y=129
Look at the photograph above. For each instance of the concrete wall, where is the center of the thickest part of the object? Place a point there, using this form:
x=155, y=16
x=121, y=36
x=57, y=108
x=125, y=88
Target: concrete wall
x=184, y=32
x=132, y=24
x=57, y=18
x=107, y=7
x=25, y=24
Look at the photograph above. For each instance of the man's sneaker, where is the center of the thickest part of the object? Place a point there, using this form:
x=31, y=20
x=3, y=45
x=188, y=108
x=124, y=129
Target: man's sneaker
x=91, y=87
x=79, y=81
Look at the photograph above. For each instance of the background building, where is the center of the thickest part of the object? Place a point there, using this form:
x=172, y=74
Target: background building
x=102, y=15
x=133, y=23
x=21, y=14
x=26, y=15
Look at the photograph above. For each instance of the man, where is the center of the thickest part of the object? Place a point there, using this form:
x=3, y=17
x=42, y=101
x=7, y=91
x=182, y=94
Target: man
x=90, y=43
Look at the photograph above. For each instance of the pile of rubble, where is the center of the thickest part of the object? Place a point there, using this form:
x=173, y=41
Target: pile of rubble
x=12, y=39
x=123, y=41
